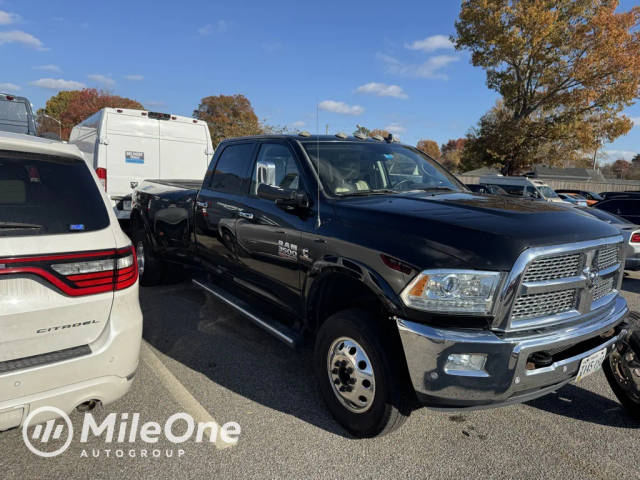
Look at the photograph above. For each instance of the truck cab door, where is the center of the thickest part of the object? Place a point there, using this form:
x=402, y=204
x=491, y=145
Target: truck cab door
x=218, y=204
x=267, y=234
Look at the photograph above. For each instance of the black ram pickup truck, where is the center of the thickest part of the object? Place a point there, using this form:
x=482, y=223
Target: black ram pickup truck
x=415, y=290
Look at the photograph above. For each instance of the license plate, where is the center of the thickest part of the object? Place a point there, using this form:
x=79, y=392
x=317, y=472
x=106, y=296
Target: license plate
x=591, y=364
x=126, y=205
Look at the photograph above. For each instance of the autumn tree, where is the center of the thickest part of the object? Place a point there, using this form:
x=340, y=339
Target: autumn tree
x=620, y=168
x=72, y=107
x=430, y=148
x=452, y=153
x=561, y=66
x=228, y=116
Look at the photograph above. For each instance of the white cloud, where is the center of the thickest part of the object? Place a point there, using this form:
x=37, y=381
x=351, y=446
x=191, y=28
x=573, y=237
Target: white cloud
x=219, y=27
x=636, y=121
x=428, y=69
x=134, y=77
x=57, y=84
x=431, y=44
x=102, y=79
x=382, y=90
x=613, y=155
x=48, y=68
x=9, y=87
x=24, y=38
x=340, y=107
x=395, y=128
x=298, y=124
x=7, y=18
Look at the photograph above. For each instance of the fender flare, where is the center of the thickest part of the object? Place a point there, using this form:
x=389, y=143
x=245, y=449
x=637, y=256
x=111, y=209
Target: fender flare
x=367, y=276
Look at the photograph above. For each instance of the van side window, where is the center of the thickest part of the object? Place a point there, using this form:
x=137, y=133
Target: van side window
x=232, y=170
x=275, y=166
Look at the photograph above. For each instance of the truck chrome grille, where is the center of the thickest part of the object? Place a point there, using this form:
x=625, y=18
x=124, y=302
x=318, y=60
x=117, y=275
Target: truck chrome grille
x=553, y=268
x=556, y=284
x=602, y=288
x=607, y=256
x=543, y=304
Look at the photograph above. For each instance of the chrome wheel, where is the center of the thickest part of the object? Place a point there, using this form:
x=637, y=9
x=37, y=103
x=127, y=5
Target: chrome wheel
x=140, y=257
x=351, y=375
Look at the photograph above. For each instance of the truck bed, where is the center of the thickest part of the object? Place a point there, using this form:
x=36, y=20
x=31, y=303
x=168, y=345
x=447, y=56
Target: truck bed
x=179, y=183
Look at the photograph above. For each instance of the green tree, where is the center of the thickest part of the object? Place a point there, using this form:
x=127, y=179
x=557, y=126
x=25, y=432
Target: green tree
x=561, y=66
x=362, y=130
x=228, y=116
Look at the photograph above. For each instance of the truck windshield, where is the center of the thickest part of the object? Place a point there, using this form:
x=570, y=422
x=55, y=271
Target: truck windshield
x=368, y=168
x=47, y=195
x=14, y=116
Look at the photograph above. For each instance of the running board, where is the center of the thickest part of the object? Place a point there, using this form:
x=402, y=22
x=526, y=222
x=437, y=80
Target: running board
x=289, y=336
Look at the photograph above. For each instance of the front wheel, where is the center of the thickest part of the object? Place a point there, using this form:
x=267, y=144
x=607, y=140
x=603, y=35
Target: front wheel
x=356, y=375
x=622, y=369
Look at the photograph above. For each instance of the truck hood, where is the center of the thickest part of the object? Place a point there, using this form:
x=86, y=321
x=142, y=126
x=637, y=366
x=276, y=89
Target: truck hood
x=472, y=230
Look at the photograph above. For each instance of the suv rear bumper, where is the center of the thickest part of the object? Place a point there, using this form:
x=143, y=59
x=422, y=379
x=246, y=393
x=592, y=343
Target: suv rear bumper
x=105, y=374
x=506, y=377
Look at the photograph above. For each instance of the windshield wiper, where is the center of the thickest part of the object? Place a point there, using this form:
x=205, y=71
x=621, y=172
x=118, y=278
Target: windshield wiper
x=440, y=188
x=362, y=193
x=16, y=225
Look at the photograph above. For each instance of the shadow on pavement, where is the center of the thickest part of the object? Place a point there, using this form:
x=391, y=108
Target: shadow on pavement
x=207, y=336
x=631, y=284
x=575, y=402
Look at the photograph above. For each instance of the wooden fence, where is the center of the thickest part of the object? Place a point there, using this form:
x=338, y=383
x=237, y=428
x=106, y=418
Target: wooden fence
x=559, y=184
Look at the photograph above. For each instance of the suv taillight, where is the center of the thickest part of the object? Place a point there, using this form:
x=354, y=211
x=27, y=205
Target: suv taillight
x=77, y=274
x=102, y=176
x=635, y=238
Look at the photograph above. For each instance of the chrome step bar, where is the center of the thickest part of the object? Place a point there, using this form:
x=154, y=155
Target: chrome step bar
x=289, y=336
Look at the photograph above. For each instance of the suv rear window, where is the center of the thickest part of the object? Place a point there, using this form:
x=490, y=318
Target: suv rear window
x=48, y=195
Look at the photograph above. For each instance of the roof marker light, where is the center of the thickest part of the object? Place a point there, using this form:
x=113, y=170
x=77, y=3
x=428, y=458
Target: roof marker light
x=304, y=133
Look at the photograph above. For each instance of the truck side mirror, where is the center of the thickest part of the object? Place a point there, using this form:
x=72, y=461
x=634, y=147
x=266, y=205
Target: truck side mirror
x=283, y=196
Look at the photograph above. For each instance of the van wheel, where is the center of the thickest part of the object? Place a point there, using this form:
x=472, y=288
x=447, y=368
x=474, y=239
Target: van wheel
x=151, y=270
x=356, y=377
x=622, y=369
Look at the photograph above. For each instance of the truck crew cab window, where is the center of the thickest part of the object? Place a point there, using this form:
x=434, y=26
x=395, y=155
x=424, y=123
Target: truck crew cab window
x=231, y=173
x=275, y=166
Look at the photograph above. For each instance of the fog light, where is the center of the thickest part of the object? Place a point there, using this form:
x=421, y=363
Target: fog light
x=466, y=364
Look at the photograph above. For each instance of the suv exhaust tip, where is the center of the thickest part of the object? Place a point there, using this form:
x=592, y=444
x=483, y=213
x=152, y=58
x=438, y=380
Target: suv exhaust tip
x=87, y=406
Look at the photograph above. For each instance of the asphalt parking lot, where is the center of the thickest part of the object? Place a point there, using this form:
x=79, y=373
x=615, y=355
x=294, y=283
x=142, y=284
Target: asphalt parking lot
x=201, y=357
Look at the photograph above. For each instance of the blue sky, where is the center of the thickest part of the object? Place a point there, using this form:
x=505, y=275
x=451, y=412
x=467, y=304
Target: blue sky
x=377, y=64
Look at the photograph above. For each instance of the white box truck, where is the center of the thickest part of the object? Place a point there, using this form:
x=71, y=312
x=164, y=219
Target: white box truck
x=126, y=146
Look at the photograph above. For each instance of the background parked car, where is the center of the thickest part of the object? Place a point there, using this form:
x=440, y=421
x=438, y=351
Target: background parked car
x=574, y=199
x=493, y=189
x=607, y=195
x=522, y=187
x=591, y=197
x=16, y=115
x=127, y=146
x=627, y=207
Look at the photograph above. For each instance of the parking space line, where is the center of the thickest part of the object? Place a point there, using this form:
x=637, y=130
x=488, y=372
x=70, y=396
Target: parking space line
x=179, y=392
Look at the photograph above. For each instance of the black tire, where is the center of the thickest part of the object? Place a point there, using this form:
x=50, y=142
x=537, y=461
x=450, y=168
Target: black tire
x=615, y=374
x=154, y=269
x=390, y=406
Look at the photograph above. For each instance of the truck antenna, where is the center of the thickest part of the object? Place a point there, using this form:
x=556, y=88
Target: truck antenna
x=318, y=221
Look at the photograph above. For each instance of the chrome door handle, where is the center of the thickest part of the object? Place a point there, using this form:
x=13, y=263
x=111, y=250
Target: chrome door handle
x=246, y=215
x=202, y=204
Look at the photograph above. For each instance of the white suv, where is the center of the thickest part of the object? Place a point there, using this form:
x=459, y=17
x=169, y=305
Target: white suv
x=70, y=319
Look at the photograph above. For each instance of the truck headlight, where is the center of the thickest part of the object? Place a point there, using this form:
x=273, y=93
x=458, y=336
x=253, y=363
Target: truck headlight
x=453, y=291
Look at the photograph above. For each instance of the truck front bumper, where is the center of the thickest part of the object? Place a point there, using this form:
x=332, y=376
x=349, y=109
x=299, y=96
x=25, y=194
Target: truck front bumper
x=509, y=375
